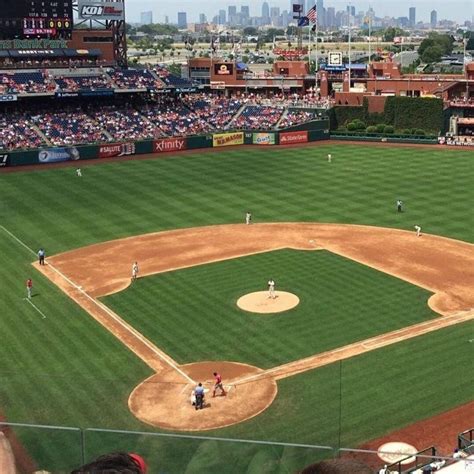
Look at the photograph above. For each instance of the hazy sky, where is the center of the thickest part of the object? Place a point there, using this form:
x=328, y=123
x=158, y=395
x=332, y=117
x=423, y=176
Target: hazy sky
x=459, y=10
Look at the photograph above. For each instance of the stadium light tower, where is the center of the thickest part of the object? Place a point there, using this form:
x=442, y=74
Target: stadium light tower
x=111, y=16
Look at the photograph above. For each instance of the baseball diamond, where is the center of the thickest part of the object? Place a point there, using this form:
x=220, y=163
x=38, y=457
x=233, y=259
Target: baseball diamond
x=374, y=344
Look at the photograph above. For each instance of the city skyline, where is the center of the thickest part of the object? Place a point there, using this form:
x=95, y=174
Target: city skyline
x=457, y=10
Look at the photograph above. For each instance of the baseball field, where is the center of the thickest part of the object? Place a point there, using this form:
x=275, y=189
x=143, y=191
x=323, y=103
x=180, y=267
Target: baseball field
x=381, y=335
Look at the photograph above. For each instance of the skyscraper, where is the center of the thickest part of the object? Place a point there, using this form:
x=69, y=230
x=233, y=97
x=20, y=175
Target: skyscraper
x=146, y=18
x=182, y=20
x=222, y=17
x=265, y=12
x=330, y=17
x=321, y=13
x=202, y=18
x=412, y=16
x=245, y=11
x=434, y=18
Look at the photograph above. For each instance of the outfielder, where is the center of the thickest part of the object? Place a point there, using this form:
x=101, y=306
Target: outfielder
x=329, y=158
x=79, y=172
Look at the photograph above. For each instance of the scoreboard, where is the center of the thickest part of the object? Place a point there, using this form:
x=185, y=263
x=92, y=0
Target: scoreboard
x=33, y=18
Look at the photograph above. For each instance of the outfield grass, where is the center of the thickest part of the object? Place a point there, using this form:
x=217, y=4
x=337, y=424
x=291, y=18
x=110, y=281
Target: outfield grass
x=192, y=313
x=68, y=370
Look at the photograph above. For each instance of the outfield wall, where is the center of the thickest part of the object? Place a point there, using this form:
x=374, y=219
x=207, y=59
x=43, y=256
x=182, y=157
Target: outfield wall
x=313, y=131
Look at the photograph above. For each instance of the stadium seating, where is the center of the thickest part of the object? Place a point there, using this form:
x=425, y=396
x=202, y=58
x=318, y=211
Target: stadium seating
x=255, y=117
x=135, y=79
x=76, y=83
x=25, y=83
x=69, y=127
x=123, y=122
x=296, y=117
x=16, y=132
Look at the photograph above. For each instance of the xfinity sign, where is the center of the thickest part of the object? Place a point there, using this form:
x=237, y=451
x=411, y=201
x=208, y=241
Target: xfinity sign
x=97, y=10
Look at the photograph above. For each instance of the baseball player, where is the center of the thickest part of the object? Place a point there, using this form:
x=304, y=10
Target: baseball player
x=134, y=271
x=79, y=172
x=248, y=218
x=199, y=397
x=418, y=230
x=329, y=158
x=399, y=205
x=271, y=289
x=29, y=287
x=41, y=255
x=218, y=385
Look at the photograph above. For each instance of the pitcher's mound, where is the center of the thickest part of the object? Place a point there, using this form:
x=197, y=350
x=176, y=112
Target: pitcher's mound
x=259, y=302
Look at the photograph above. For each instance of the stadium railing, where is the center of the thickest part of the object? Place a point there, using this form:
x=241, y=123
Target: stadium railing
x=60, y=449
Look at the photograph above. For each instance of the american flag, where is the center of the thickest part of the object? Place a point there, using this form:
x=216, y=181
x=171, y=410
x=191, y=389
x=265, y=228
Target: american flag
x=312, y=14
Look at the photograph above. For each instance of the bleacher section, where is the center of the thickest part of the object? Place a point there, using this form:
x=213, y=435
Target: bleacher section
x=135, y=79
x=69, y=127
x=89, y=82
x=255, y=117
x=25, y=83
x=16, y=132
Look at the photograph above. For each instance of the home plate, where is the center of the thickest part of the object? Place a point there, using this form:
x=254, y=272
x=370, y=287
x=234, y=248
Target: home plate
x=397, y=451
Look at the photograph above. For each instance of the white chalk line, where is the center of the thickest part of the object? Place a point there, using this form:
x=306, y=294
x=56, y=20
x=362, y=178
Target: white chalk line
x=107, y=310
x=34, y=306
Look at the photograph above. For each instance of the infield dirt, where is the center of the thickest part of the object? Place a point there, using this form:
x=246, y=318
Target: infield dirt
x=441, y=265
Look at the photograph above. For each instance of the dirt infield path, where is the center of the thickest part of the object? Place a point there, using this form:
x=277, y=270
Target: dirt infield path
x=441, y=265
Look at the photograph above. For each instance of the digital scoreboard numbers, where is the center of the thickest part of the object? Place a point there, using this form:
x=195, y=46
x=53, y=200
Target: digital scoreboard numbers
x=28, y=18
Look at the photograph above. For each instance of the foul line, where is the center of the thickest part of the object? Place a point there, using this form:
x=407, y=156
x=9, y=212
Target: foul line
x=34, y=306
x=115, y=317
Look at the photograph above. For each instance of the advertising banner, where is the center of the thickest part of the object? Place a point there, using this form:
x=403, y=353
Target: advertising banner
x=223, y=69
x=56, y=155
x=4, y=161
x=97, y=10
x=287, y=138
x=8, y=98
x=227, y=139
x=169, y=144
x=263, y=139
x=116, y=149
x=456, y=141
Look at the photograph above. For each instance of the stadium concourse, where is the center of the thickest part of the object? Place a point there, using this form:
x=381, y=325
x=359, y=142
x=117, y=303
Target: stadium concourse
x=152, y=104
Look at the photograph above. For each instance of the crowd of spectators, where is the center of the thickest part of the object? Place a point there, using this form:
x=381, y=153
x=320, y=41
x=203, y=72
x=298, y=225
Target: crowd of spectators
x=123, y=122
x=135, y=79
x=16, y=131
x=25, y=82
x=255, y=117
x=215, y=110
x=296, y=117
x=172, y=117
x=69, y=127
x=76, y=83
x=157, y=116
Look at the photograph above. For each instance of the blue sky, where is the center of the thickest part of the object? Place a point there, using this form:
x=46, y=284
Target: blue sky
x=459, y=10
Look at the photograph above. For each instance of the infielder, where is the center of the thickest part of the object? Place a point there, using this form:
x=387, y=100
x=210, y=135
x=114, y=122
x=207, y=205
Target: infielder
x=271, y=289
x=248, y=218
x=29, y=287
x=218, y=385
x=134, y=271
x=418, y=230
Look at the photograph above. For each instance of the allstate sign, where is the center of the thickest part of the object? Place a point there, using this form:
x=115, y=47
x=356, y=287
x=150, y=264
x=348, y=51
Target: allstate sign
x=97, y=10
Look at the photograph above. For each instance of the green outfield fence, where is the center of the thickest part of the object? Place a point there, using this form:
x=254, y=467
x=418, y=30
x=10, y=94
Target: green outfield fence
x=59, y=449
x=310, y=132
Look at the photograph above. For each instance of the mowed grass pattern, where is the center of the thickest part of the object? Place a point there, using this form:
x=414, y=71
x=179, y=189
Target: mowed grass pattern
x=68, y=370
x=192, y=313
